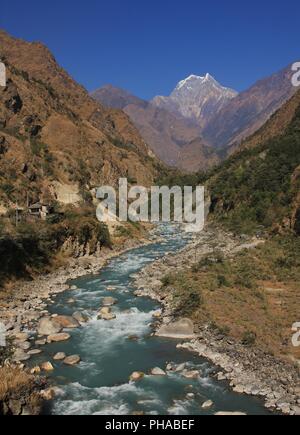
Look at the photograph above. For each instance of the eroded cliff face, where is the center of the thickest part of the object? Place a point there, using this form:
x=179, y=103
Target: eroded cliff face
x=52, y=131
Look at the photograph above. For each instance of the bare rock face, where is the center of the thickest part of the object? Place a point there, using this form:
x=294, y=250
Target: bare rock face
x=182, y=329
x=48, y=326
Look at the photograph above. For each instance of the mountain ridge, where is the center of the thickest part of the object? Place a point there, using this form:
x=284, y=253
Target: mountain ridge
x=166, y=133
x=249, y=110
x=227, y=119
x=196, y=98
x=52, y=132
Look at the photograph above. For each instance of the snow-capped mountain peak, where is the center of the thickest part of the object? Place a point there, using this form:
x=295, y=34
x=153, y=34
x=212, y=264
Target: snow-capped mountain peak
x=194, y=79
x=197, y=98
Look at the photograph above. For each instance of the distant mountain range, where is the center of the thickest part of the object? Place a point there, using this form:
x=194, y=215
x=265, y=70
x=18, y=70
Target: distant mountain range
x=201, y=120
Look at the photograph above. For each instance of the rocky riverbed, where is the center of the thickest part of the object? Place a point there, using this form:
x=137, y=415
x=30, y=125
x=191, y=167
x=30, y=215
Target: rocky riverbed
x=248, y=370
x=28, y=301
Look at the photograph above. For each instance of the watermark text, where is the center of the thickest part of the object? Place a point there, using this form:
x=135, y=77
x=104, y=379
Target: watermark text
x=155, y=204
x=2, y=335
x=2, y=74
x=296, y=75
x=296, y=336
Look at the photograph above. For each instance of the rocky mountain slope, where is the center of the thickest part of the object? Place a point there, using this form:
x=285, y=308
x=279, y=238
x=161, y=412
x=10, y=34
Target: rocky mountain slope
x=249, y=110
x=196, y=98
x=54, y=136
x=173, y=138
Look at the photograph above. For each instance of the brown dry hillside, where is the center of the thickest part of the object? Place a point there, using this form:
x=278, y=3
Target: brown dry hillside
x=275, y=126
x=174, y=139
x=52, y=133
x=247, y=112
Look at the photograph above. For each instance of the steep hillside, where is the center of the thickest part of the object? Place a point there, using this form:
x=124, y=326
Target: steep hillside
x=197, y=156
x=54, y=136
x=248, y=111
x=275, y=126
x=259, y=186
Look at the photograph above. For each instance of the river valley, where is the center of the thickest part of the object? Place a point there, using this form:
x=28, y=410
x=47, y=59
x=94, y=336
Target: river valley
x=111, y=351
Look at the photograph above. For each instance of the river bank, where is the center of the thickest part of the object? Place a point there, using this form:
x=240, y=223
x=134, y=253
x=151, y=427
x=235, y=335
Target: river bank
x=249, y=370
x=120, y=367
x=28, y=301
x=25, y=390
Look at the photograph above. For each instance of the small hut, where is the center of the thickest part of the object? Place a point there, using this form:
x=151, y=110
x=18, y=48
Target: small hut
x=39, y=210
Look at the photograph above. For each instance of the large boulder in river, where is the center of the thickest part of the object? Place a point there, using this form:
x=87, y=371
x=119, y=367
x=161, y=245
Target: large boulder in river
x=191, y=374
x=47, y=366
x=60, y=356
x=56, y=338
x=109, y=301
x=136, y=376
x=182, y=329
x=208, y=404
x=48, y=326
x=20, y=356
x=80, y=317
x=67, y=322
x=104, y=311
x=72, y=360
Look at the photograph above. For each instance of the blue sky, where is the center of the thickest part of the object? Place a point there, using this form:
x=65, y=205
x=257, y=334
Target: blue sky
x=147, y=46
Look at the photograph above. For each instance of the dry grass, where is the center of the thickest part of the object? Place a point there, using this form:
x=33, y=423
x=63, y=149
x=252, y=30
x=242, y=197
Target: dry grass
x=18, y=391
x=256, y=292
x=14, y=382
